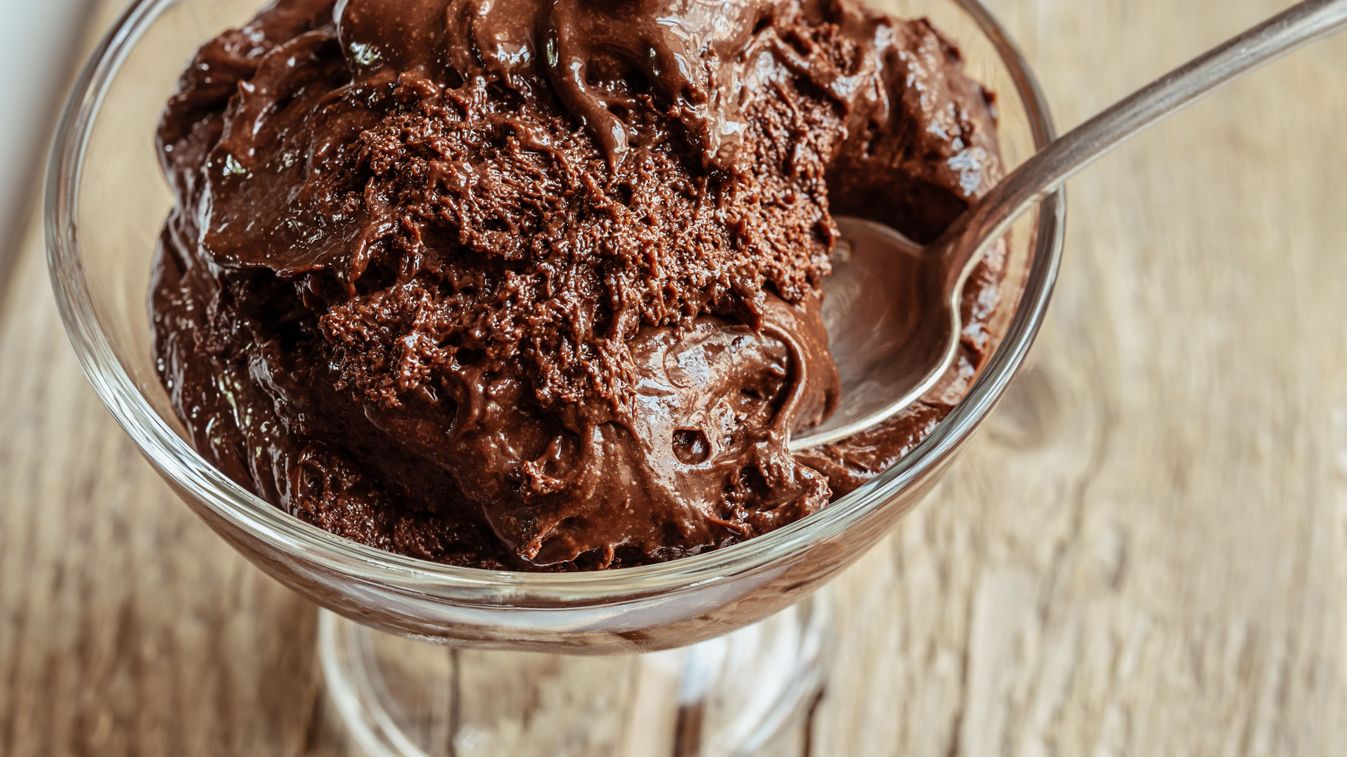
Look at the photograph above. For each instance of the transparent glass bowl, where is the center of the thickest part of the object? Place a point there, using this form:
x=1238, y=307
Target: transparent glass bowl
x=106, y=203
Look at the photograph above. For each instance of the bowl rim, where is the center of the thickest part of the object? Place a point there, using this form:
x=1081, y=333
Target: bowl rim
x=184, y=467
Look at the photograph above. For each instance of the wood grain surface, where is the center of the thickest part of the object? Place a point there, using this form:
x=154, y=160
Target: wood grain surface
x=1143, y=552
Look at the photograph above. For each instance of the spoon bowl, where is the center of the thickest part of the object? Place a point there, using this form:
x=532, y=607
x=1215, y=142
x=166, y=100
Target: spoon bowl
x=889, y=330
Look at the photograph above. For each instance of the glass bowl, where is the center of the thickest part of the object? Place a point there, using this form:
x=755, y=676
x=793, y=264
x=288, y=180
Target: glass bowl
x=105, y=206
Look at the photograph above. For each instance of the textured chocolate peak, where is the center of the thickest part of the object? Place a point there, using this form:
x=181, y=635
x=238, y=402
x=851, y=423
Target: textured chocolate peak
x=602, y=57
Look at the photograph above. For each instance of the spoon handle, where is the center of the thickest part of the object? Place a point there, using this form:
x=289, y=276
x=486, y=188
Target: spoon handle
x=991, y=216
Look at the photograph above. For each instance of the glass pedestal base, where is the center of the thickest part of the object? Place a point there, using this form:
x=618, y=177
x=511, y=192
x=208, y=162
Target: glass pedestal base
x=727, y=696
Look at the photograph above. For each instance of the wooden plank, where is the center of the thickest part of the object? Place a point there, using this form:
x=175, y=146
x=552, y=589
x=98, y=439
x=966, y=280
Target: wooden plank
x=1143, y=552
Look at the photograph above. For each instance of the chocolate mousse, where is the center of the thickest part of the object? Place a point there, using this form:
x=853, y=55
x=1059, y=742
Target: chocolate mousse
x=536, y=284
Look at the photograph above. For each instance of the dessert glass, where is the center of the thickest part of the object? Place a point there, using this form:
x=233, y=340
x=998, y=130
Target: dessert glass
x=743, y=623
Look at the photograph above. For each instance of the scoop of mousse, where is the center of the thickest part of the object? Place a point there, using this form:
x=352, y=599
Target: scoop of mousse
x=536, y=283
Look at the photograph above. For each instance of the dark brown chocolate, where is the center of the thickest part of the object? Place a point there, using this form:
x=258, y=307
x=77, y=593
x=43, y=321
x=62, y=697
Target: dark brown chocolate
x=534, y=283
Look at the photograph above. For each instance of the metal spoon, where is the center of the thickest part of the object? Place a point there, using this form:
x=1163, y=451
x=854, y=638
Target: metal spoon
x=892, y=351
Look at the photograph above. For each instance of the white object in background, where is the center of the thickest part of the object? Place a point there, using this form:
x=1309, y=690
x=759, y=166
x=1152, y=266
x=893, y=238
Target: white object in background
x=36, y=61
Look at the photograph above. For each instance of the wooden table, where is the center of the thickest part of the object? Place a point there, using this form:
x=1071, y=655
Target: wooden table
x=1144, y=552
